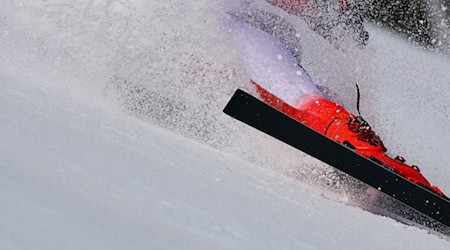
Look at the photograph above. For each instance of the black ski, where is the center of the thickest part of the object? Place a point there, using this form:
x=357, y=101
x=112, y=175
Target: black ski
x=261, y=116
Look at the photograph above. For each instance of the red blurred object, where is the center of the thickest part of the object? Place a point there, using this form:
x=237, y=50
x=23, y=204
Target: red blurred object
x=336, y=123
x=302, y=7
x=295, y=7
x=344, y=4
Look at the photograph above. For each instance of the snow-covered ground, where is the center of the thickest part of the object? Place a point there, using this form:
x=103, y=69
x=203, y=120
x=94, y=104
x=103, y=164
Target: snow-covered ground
x=74, y=176
x=78, y=171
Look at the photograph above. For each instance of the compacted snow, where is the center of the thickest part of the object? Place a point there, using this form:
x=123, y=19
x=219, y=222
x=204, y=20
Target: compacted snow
x=80, y=171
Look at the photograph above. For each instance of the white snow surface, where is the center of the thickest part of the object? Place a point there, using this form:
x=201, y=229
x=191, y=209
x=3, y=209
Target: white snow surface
x=76, y=177
x=78, y=171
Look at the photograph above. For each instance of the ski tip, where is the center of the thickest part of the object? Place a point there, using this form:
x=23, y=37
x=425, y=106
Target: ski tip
x=235, y=102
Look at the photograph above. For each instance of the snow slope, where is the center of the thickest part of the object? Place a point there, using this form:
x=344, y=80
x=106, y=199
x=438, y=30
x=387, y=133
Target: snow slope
x=79, y=171
x=76, y=176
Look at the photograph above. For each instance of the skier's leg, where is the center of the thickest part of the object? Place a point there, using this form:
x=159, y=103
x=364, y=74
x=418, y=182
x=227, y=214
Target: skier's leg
x=274, y=25
x=267, y=59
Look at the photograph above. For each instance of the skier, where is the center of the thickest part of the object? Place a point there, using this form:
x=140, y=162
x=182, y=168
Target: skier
x=270, y=54
x=333, y=19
